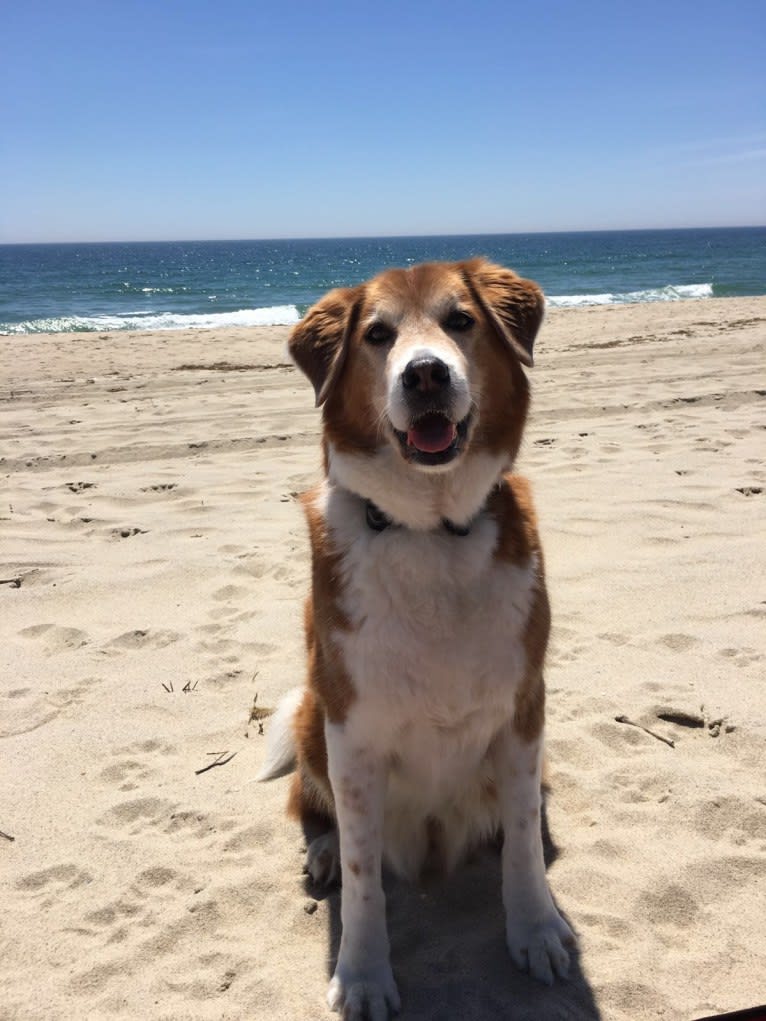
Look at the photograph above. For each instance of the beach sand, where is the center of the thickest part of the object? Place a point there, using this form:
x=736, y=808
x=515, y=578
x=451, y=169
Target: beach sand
x=154, y=563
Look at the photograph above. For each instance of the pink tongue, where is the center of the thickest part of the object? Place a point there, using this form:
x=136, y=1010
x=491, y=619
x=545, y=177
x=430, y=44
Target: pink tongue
x=432, y=434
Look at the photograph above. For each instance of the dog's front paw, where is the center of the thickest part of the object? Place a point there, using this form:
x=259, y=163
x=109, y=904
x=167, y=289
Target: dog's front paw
x=367, y=994
x=541, y=947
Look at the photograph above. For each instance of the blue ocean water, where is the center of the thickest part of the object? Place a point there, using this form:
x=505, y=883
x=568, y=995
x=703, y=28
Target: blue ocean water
x=173, y=285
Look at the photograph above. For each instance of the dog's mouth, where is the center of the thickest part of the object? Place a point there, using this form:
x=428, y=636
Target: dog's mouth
x=433, y=439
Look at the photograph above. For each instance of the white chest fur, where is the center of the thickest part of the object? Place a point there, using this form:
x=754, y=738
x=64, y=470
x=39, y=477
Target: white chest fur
x=434, y=651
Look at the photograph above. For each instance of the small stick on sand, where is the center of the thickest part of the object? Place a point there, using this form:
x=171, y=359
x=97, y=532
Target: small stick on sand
x=651, y=733
x=7, y=836
x=220, y=761
x=13, y=582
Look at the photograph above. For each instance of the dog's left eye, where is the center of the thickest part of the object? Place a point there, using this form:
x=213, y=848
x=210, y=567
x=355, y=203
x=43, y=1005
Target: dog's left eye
x=459, y=321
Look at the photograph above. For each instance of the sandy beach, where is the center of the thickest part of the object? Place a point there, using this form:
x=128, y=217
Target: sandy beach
x=153, y=564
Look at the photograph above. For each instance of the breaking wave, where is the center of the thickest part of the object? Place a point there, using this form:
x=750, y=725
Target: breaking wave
x=670, y=293
x=275, y=315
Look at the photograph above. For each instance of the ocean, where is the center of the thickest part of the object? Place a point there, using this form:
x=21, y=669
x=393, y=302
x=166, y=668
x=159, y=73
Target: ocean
x=203, y=284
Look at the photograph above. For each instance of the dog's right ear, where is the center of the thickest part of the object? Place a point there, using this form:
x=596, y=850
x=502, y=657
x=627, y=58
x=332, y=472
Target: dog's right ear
x=319, y=343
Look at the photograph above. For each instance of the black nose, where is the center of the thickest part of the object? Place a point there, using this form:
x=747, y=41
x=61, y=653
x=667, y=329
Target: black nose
x=425, y=374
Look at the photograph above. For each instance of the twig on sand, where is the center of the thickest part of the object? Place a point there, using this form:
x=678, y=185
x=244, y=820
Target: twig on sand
x=13, y=582
x=221, y=760
x=7, y=836
x=651, y=733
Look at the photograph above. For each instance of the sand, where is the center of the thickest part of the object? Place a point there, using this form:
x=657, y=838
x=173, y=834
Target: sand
x=153, y=562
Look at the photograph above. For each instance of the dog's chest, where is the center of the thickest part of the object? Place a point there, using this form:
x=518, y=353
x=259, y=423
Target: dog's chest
x=436, y=624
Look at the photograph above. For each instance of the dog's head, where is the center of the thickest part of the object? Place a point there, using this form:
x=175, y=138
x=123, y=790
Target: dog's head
x=427, y=360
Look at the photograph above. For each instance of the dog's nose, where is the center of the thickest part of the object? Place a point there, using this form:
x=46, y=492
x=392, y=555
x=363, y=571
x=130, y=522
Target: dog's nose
x=425, y=374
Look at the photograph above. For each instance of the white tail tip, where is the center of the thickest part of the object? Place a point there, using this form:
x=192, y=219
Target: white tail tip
x=280, y=747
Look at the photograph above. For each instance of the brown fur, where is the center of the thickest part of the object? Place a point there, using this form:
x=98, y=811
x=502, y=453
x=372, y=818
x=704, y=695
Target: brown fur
x=320, y=341
x=516, y=306
x=324, y=615
x=511, y=505
x=329, y=690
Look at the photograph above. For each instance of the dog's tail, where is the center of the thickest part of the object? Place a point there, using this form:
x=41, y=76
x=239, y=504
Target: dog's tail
x=280, y=747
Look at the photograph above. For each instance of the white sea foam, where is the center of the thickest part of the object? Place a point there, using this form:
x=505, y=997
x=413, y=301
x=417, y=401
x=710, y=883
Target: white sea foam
x=288, y=315
x=275, y=315
x=669, y=293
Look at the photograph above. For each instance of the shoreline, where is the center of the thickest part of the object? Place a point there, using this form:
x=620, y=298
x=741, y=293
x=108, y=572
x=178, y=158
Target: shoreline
x=150, y=519
x=687, y=313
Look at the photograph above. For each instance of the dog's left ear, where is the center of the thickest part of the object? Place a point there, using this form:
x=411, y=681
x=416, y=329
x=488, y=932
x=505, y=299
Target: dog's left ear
x=319, y=343
x=514, y=306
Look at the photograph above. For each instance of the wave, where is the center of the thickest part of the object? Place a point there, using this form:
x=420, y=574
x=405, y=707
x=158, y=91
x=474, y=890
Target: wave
x=288, y=315
x=274, y=315
x=672, y=292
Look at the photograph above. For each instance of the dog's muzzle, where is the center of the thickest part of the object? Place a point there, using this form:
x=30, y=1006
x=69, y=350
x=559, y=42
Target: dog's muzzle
x=433, y=436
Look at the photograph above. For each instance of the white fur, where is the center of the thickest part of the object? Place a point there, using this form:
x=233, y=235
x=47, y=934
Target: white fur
x=399, y=410
x=363, y=984
x=416, y=498
x=535, y=932
x=280, y=751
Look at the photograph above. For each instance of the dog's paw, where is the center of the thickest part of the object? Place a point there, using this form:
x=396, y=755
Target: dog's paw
x=541, y=948
x=367, y=995
x=323, y=859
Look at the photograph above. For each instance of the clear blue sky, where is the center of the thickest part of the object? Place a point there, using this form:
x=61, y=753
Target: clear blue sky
x=159, y=119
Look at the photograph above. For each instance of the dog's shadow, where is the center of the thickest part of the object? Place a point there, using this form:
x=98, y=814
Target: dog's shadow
x=448, y=950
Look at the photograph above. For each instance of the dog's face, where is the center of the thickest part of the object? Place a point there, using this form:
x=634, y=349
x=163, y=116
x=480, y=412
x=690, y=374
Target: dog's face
x=427, y=360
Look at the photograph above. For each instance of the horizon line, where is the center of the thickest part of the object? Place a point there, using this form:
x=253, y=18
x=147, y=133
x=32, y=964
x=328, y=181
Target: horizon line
x=379, y=237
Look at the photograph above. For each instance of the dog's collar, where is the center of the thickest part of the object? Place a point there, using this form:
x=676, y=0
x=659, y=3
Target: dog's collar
x=378, y=521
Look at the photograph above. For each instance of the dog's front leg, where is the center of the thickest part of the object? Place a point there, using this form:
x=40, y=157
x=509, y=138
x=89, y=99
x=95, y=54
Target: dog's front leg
x=537, y=935
x=363, y=984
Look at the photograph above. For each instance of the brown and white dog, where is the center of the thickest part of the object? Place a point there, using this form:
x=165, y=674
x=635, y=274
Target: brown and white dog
x=420, y=731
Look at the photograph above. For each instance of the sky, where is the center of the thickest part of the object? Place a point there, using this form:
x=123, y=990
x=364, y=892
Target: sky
x=165, y=120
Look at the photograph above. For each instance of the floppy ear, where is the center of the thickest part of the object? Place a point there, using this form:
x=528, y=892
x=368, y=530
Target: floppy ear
x=514, y=306
x=319, y=343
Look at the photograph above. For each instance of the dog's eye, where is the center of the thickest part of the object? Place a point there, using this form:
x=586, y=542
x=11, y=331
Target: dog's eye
x=458, y=321
x=378, y=333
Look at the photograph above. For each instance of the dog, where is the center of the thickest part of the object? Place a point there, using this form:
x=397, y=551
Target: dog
x=419, y=734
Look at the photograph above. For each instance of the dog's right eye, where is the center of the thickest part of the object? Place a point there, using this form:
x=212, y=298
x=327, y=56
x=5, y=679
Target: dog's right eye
x=378, y=333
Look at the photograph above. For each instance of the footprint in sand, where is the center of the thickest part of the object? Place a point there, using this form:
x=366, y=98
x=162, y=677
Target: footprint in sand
x=678, y=642
x=669, y=905
x=141, y=639
x=229, y=593
x=127, y=775
x=56, y=878
x=614, y=638
x=731, y=819
x=55, y=639
x=31, y=708
x=136, y=815
x=136, y=764
x=152, y=745
x=141, y=814
x=223, y=680
x=743, y=657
